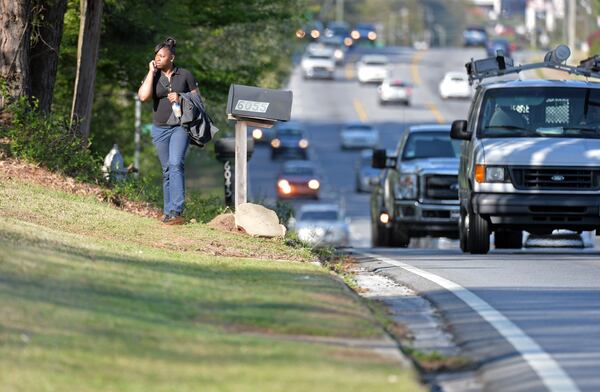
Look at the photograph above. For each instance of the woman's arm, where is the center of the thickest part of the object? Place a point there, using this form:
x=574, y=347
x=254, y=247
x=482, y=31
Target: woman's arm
x=145, y=90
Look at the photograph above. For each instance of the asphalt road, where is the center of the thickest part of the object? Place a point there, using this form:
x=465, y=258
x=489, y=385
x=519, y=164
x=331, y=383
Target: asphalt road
x=530, y=319
x=323, y=106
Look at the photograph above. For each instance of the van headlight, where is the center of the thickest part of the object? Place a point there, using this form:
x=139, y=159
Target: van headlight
x=406, y=187
x=484, y=173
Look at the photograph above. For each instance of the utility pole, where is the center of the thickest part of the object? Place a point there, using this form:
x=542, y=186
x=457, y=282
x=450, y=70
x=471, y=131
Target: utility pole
x=572, y=20
x=339, y=10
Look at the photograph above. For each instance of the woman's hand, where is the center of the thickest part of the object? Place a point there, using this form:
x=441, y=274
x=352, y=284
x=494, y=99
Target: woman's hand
x=151, y=66
x=173, y=97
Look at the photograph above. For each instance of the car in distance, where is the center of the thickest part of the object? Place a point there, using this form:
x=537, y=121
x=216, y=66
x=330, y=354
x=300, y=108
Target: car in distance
x=394, y=91
x=418, y=194
x=372, y=68
x=364, y=32
x=313, y=30
x=496, y=44
x=530, y=161
x=298, y=178
x=289, y=140
x=366, y=175
x=322, y=224
x=335, y=43
x=318, y=64
x=455, y=85
x=475, y=36
x=261, y=135
x=358, y=135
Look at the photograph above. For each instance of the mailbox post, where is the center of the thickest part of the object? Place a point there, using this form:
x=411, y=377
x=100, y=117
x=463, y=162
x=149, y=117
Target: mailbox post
x=225, y=152
x=254, y=106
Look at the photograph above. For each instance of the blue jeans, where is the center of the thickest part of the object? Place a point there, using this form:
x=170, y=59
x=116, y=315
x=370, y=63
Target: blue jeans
x=171, y=144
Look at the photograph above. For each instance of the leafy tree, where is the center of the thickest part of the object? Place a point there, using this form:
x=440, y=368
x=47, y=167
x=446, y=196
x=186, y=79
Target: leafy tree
x=14, y=48
x=220, y=41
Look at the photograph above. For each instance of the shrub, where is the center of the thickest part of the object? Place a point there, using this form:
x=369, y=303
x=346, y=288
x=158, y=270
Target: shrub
x=47, y=140
x=203, y=208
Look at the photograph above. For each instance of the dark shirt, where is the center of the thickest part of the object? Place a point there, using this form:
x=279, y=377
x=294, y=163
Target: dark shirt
x=182, y=81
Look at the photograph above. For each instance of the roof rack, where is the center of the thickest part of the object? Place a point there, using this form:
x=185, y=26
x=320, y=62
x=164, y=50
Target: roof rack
x=554, y=59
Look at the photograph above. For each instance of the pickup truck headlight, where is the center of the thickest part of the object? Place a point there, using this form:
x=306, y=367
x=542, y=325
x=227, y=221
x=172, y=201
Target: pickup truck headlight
x=406, y=187
x=484, y=173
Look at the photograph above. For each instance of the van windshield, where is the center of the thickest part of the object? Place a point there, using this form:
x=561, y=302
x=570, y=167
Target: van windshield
x=540, y=112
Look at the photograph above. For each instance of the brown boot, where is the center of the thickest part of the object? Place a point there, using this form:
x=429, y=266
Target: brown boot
x=174, y=220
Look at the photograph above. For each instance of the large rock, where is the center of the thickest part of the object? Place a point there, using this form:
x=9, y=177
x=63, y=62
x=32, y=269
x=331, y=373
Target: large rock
x=259, y=221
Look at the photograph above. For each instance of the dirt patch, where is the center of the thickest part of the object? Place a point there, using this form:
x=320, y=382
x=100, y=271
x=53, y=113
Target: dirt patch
x=12, y=169
x=225, y=222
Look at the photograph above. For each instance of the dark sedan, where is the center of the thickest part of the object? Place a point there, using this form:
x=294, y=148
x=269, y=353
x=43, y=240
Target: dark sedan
x=298, y=179
x=290, y=141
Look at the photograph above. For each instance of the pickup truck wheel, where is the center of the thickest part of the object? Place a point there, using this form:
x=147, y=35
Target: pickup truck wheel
x=478, y=234
x=508, y=239
x=380, y=235
x=462, y=232
x=399, y=238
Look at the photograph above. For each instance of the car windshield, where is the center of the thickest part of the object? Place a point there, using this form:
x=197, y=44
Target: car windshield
x=319, y=56
x=304, y=170
x=325, y=215
x=377, y=63
x=421, y=145
x=359, y=127
x=289, y=132
x=540, y=112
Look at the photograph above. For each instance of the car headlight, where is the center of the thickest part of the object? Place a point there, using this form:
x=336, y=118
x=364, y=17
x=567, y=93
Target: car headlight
x=355, y=34
x=285, y=187
x=275, y=143
x=372, y=35
x=338, y=54
x=257, y=133
x=406, y=187
x=314, y=184
x=303, y=143
x=485, y=173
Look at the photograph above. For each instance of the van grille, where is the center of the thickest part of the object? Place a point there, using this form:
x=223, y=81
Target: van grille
x=555, y=178
x=441, y=187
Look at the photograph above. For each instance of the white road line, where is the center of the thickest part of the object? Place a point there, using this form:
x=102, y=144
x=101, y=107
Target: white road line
x=549, y=371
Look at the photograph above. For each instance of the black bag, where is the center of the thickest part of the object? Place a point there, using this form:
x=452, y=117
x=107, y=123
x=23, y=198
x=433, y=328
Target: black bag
x=200, y=129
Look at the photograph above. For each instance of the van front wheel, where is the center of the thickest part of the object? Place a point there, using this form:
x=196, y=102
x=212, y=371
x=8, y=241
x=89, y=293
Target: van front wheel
x=478, y=236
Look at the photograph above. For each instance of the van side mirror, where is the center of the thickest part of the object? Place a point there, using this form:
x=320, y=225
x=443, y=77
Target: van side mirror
x=379, y=159
x=459, y=130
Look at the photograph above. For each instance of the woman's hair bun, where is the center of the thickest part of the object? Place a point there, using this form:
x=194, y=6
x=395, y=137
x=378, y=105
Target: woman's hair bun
x=170, y=42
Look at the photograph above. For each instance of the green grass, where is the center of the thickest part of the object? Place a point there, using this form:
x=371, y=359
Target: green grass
x=95, y=299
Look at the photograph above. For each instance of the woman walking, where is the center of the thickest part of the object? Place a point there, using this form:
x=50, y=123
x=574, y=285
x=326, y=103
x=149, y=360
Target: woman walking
x=163, y=84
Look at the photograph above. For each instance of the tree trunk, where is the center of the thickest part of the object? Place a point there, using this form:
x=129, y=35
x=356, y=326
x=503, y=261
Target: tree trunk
x=87, y=57
x=14, y=48
x=44, y=52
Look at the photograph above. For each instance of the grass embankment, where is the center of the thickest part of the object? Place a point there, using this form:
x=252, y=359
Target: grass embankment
x=96, y=299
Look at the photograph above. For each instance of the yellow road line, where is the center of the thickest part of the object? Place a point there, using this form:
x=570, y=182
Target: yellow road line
x=349, y=71
x=436, y=112
x=360, y=110
x=414, y=68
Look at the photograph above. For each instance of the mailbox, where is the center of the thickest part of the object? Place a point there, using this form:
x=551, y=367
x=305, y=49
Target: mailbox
x=259, y=105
